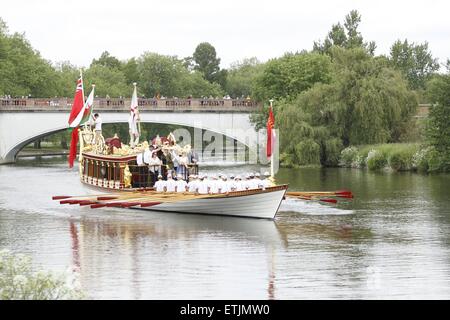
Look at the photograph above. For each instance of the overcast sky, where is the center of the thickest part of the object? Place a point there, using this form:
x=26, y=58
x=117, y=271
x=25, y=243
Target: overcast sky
x=80, y=30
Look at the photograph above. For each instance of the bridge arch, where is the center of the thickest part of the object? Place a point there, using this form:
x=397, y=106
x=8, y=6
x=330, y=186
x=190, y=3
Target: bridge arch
x=17, y=129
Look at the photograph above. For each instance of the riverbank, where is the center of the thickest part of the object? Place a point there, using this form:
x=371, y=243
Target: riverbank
x=392, y=156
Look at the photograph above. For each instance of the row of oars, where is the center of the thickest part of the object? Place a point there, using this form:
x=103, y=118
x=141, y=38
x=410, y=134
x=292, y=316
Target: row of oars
x=128, y=199
x=321, y=196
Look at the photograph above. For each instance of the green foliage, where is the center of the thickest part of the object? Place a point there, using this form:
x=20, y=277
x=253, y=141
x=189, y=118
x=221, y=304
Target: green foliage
x=23, y=71
x=414, y=61
x=376, y=160
x=348, y=156
x=108, y=81
x=207, y=63
x=241, y=77
x=108, y=61
x=19, y=282
x=438, y=126
x=288, y=76
x=307, y=152
x=347, y=36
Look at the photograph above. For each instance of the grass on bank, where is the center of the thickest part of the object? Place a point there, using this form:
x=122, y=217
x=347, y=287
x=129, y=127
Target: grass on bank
x=394, y=156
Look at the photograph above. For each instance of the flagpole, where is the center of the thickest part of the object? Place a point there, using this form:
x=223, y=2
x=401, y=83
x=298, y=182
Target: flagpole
x=272, y=168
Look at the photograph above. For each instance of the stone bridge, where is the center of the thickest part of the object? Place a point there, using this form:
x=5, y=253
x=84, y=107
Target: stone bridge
x=24, y=120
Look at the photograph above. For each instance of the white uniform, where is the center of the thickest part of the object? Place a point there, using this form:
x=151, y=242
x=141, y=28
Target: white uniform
x=192, y=186
x=224, y=188
x=240, y=186
x=170, y=185
x=181, y=186
x=98, y=124
x=159, y=185
x=213, y=187
x=231, y=185
x=202, y=187
x=266, y=183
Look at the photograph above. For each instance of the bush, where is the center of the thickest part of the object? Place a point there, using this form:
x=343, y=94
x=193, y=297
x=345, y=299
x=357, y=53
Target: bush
x=307, y=152
x=348, y=156
x=18, y=282
x=434, y=160
x=331, y=152
x=400, y=161
x=376, y=160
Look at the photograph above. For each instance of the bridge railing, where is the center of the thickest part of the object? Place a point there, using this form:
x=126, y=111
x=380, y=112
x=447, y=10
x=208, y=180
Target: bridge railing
x=172, y=104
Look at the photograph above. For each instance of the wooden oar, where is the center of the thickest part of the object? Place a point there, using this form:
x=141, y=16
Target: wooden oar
x=329, y=200
x=339, y=194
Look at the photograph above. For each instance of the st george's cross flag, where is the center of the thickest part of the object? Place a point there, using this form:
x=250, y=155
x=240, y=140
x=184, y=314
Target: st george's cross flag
x=132, y=122
x=271, y=137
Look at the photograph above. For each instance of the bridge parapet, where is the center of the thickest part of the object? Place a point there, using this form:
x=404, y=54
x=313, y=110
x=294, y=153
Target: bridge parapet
x=118, y=104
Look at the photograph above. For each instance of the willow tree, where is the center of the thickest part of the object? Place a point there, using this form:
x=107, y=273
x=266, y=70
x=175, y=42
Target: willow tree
x=438, y=127
x=367, y=102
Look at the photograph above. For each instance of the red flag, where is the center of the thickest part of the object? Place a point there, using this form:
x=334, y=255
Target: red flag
x=74, y=119
x=78, y=103
x=73, y=147
x=270, y=133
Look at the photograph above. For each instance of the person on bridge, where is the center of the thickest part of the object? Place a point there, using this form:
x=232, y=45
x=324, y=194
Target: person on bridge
x=98, y=128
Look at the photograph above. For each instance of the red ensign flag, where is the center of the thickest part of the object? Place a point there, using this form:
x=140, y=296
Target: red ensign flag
x=270, y=133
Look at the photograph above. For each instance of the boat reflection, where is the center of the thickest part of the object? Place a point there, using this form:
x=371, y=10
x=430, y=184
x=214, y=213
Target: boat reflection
x=137, y=239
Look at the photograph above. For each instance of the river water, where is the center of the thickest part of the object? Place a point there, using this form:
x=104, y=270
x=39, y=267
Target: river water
x=391, y=242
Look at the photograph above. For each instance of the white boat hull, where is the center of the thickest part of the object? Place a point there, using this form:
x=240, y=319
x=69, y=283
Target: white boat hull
x=250, y=204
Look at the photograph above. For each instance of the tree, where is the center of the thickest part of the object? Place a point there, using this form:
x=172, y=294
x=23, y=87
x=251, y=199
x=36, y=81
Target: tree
x=130, y=71
x=108, y=81
x=438, y=127
x=159, y=74
x=241, y=77
x=107, y=60
x=347, y=36
x=288, y=76
x=415, y=61
x=207, y=63
x=23, y=71
x=366, y=102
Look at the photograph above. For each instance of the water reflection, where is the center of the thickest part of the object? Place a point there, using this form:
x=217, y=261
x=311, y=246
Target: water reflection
x=179, y=241
x=392, y=241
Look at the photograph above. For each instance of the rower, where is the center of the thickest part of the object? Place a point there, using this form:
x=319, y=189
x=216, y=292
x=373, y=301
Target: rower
x=212, y=184
x=224, y=187
x=160, y=185
x=239, y=184
x=192, y=184
x=231, y=183
x=202, y=186
x=181, y=184
x=258, y=181
x=266, y=181
x=170, y=184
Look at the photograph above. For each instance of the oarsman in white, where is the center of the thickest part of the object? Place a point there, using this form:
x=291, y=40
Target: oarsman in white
x=202, y=186
x=160, y=185
x=192, y=184
x=98, y=128
x=231, y=183
x=170, y=184
x=239, y=184
x=224, y=186
x=266, y=181
x=258, y=181
x=213, y=187
x=134, y=119
x=181, y=184
x=246, y=182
